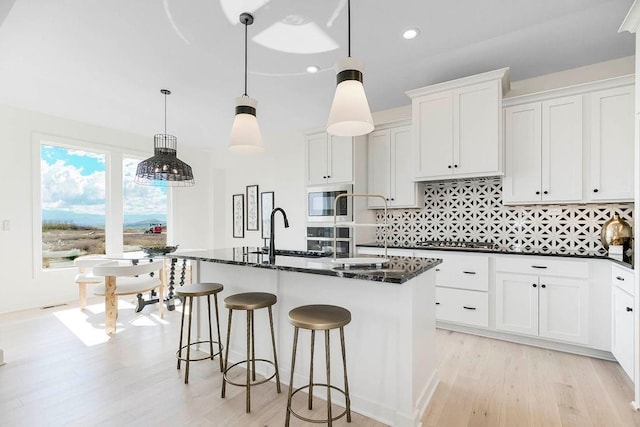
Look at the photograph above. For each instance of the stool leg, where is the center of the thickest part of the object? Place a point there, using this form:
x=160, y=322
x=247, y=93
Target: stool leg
x=82, y=293
x=313, y=339
x=186, y=372
x=293, y=365
x=253, y=348
x=226, y=355
x=215, y=300
x=346, y=383
x=210, y=333
x=248, y=395
x=273, y=344
x=181, y=334
x=327, y=355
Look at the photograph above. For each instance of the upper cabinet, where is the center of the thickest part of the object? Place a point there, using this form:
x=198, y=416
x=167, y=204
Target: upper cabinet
x=611, y=165
x=544, y=151
x=457, y=127
x=329, y=159
x=570, y=145
x=389, y=150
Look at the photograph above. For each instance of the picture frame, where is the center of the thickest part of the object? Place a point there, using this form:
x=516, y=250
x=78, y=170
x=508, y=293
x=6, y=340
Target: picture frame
x=238, y=215
x=253, y=213
x=267, y=203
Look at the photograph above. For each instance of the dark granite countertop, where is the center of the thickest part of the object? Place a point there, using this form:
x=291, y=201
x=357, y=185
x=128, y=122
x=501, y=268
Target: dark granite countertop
x=509, y=251
x=399, y=269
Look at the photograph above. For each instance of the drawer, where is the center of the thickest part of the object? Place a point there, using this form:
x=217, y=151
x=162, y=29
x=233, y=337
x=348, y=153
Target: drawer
x=543, y=266
x=623, y=278
x=462, y=306
x=463, y=272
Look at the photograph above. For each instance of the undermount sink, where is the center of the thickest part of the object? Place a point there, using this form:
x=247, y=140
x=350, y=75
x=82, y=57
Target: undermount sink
x=296, y=253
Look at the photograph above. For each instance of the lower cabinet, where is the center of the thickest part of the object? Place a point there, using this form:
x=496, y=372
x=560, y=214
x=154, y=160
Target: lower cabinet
x=544, y=306
x=462, y=306
x=622, y=318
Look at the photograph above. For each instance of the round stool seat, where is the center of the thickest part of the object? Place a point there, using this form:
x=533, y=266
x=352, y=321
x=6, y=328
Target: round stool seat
x=250, y=301
x=319, y=316
x=199, y=289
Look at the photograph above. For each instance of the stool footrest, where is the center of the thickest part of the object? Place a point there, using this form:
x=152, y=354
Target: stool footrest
x=253, y=382
x=184, y=359
x=309, y=420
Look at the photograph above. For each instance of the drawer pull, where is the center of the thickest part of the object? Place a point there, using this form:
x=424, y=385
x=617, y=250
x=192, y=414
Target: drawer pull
x=437, y=303
x=468, y=308
x=539, y=266
x=437, y=269
x=469, y=272
x=620, y=278
x=629, y=309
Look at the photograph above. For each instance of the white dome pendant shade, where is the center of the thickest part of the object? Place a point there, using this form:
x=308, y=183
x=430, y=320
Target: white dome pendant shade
x=350, y=114
x=245, y=132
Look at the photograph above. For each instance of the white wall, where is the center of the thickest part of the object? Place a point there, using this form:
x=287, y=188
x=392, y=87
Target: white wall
x=280, y=168
x=23, y=286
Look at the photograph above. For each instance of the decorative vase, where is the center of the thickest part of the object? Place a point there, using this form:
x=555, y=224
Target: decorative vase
x=617, y=232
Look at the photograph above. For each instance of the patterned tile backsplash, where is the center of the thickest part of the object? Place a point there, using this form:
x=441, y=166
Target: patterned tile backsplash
x=472, y=211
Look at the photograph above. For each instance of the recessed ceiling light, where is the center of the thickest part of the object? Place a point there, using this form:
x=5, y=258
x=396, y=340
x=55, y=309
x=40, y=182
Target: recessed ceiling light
x=313, y=69
x=411, y=33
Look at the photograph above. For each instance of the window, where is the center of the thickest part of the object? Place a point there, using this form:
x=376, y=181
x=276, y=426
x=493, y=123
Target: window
x=72, y=197
x=144, y=209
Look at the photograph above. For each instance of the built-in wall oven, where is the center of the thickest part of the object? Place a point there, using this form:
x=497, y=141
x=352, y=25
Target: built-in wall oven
x=320, y=203
x=320, y=238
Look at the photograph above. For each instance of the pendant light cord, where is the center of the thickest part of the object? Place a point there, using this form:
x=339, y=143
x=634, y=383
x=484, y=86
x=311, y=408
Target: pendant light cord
x=245, y=58
x=165, y=113
x=349, y=28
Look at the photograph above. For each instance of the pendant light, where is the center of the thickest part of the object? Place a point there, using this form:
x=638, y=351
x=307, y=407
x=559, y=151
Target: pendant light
x=350, y=114
x=164, y=168
x=245, y=133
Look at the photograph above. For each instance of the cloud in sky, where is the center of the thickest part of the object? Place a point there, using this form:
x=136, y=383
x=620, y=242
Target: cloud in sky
x=74, y=181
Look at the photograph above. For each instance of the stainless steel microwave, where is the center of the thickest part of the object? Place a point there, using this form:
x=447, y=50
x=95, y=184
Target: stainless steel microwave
x=321, y=200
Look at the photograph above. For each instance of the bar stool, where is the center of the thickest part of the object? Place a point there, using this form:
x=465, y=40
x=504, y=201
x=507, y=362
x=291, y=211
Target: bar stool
x=188, y=292
x=319, y=317
x=249, y=302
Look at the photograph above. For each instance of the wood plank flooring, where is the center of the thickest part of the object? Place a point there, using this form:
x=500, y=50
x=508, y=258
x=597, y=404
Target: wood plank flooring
x=62, y=370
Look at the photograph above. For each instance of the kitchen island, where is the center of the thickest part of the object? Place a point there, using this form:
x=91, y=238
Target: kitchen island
x=390, y=342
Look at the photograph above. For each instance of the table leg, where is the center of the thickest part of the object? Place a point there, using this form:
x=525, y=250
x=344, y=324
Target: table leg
x=111, y=304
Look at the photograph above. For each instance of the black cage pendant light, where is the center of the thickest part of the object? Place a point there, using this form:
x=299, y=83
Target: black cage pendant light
x=350, y=114
x=164, y=168
x=245, y=132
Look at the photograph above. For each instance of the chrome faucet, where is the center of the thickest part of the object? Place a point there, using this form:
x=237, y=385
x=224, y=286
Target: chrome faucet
x=272, y=245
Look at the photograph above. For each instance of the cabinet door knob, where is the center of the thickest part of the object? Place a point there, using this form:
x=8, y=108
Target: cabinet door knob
x=537, y=192
x=328, y=176
x=535, y=285
x=629, y=309
x=392, y=199
x=543, y=286
x=545, y=192
x=595, y=190
x=325, y=177
x=455, y=166
x=449, y=166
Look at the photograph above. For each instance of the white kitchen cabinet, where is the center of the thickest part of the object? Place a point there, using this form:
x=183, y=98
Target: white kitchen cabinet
x=329, y=159
x=545, y=306
x=611, y=147
x=544, y=151
x=389, y=153
x=462, y=306
x=457, y=127
x=622, y=318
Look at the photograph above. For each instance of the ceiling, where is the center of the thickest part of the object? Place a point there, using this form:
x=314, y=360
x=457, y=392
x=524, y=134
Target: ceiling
x=104, y=62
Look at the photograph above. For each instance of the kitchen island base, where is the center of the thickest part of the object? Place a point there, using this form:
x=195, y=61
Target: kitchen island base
x=390, y=342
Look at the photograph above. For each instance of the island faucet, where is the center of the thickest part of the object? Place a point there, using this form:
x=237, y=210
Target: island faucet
x=272, y=245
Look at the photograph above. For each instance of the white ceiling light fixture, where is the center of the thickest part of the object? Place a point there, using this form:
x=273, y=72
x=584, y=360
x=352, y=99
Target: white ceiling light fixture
x=245, y=132
x=350, y=114
x=411, y=33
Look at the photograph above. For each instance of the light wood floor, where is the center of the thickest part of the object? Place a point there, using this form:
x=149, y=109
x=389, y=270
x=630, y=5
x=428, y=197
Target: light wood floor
x=62, y=371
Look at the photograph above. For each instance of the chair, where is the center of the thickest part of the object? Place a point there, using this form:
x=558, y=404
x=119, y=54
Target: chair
x=86, y=276
x=128, y=280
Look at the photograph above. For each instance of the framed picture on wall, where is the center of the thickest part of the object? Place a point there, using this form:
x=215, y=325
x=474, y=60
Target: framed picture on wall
x=238, y=215
x=266, y=206
x=253, y=215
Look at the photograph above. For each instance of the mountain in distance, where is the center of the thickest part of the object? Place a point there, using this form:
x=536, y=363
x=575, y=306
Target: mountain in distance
x=97, y=220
